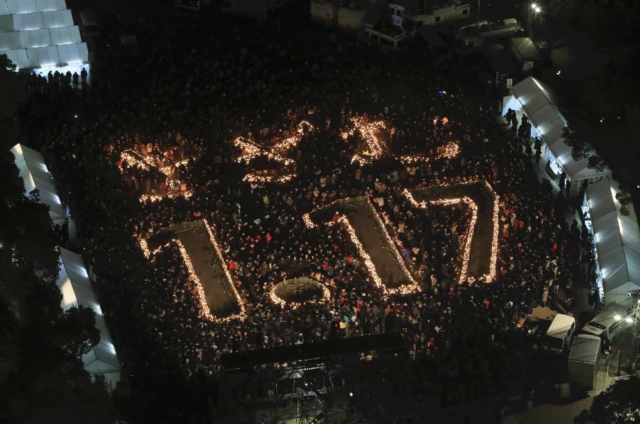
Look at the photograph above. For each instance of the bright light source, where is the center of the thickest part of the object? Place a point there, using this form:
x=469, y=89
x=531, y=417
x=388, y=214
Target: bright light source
x=617, y=317
x=76, y=116
x=537, y=9
x=534, y=6
x=350, y=394
x=628, y=319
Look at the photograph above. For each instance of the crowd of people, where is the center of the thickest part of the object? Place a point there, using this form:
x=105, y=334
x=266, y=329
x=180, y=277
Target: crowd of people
x=190, y=83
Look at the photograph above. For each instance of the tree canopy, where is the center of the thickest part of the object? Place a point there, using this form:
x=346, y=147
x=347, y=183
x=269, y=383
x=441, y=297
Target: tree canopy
x=582, y=149
x=619, y=404
x=42, y=378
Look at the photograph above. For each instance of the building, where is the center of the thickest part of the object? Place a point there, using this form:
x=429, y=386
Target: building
x=40, y=36
x=535, y=100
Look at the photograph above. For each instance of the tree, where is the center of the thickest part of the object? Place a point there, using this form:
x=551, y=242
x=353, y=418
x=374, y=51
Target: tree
x=559, y=8
x=625, y=199
x=619, y=404
x=532, y=14
x=77, y=331
x=10, y=93
x=596, y=162
x=42, y=378
x=581, y=149
x=614, y=28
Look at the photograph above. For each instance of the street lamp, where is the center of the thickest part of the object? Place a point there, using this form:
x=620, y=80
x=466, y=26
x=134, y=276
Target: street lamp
x=532, y=15
x=628, y=319
x=617, y=317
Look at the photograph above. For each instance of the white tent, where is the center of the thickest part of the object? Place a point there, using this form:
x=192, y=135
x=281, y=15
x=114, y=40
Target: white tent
x=40, y=35
x=540, y=105
x=10, y=41
x=14, y=7
x=76, y=290
x=40, y=38
x=617, y=240
x=35, y=175
x=42, y=20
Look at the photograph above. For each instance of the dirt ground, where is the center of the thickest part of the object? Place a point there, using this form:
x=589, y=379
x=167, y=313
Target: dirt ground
x=372, y=236
x=208, y=268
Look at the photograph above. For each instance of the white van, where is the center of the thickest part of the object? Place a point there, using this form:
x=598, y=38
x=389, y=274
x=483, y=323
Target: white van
x=606, y=321
x=559, y=333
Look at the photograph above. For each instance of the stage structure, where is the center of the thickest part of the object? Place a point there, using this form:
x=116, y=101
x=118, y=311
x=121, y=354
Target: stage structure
x=323, y=382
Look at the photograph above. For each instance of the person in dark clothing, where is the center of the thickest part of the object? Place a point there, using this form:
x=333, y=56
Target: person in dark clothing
x=538, y=146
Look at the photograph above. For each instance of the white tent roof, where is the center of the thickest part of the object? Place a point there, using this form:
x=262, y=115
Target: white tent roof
x=35, y=174
x=51, y=56
x=40, y=38
x=40, y=35
x=42, y=20
x=76, y=290
x=540, y=105
x=617, y=238
x=15, y=7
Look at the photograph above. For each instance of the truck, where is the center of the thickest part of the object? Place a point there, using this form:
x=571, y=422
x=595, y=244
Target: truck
x=525, y=53
x=559, y=333
x=583, y=358
x=475, y=35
